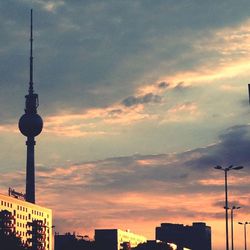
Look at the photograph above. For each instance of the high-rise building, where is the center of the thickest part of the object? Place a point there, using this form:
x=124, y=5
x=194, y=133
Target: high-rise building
x=30, y=222
x=195, y=237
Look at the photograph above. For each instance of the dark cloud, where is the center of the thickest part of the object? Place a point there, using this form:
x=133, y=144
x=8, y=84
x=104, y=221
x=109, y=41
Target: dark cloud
x=172, y=173
x=232, y=149
x=164, y=214
x=235, y=203
x=83, y=50
x=148, y=98
x=115, y=112
x=181, y=86
x=163, y=85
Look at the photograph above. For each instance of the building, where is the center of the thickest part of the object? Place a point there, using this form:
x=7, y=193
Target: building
x=195, y=237
x=114, y=239
x=153, y=245
x=73, y=242
x=30, y=222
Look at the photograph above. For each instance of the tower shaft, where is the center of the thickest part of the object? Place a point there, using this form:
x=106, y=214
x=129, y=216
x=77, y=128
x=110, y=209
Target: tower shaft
x=30, y=170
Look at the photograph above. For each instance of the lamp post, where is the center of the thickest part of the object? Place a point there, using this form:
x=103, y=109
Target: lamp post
x=232, y=224
x=226, y=170
x=245, y=231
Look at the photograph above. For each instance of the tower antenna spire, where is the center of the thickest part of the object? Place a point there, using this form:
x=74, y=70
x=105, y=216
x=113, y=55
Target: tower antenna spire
x=31, y=53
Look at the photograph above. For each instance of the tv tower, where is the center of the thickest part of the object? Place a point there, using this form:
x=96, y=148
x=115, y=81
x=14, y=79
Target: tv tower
x=30, y=124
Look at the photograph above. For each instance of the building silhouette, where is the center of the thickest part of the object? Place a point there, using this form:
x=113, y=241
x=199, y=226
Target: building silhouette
x=195, y=237
x=153, y=245
x=116, y=239
x=7, y=222
x=8, y=239
x=19, y=213
x=70, y=241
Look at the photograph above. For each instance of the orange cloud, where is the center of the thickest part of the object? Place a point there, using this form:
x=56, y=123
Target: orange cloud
x=9, y=128
x=95, y=122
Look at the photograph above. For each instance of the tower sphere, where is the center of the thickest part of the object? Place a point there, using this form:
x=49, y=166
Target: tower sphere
x=30, y=125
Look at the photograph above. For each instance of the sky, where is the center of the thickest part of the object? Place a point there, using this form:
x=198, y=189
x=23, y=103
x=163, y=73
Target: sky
x=140, y=100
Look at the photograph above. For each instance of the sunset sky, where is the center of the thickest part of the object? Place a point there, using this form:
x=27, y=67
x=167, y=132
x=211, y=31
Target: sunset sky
x=140, y=100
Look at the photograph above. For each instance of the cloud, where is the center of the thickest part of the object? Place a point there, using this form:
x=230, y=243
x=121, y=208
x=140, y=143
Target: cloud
x=181, y=86
x=148, y=189
x=163, y=85
x=96, y=45
x=170, y=174
x=115, y=191
x=148, y=98
x=181, y=113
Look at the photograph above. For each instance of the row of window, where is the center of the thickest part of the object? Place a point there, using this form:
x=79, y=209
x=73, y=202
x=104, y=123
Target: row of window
x=21, y=225
x=20, y=233
x=22, y=217
x=37, y=213
x=6, y=204
x=21, y=208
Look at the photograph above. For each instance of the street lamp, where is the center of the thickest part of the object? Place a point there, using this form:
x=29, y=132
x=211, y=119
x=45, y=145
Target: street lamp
x=231, y=167
x=245, y=231
x=232, y=224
